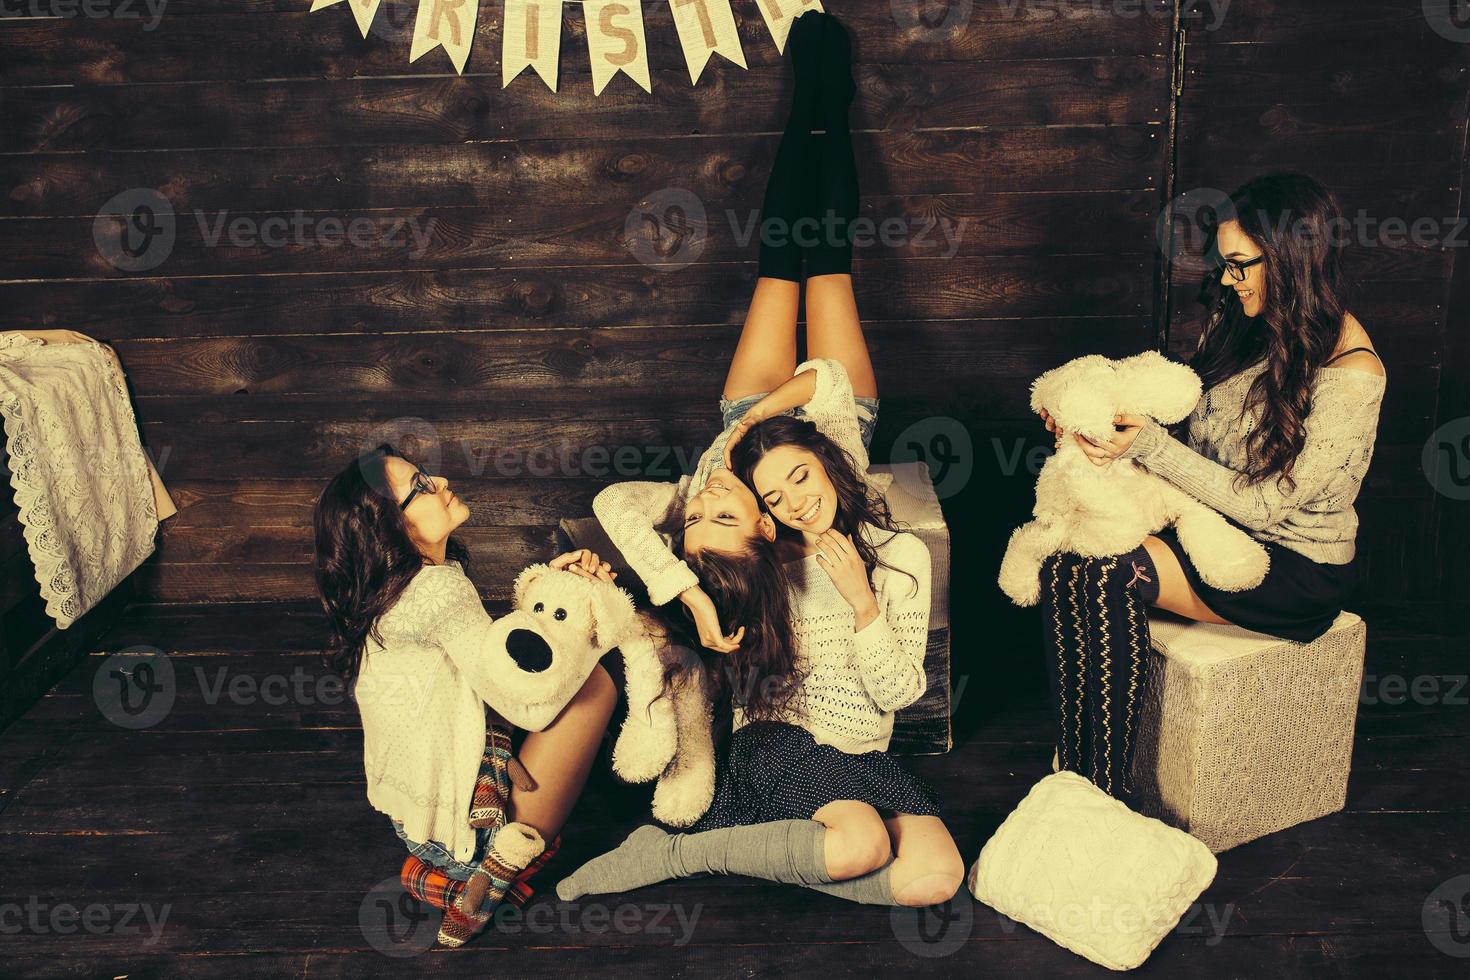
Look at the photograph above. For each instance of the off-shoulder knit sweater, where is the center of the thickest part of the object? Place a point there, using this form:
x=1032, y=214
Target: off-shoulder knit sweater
x=422, y=693
x=854, y=680
x=1315, y=517
x=642, y=518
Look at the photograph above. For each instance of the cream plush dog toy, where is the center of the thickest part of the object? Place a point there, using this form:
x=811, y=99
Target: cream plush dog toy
x=1095, y=510
x=559, y=628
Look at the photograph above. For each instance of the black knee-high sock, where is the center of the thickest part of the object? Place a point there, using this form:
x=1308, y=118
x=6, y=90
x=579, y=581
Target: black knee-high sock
x=1064, y=638
x=1097, y=641
x=1119, y=631
x=788, y=186
x=836, y=180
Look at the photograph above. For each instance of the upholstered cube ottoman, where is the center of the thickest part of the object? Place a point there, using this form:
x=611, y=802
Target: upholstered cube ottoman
x=923, y=728
x=1244, y=734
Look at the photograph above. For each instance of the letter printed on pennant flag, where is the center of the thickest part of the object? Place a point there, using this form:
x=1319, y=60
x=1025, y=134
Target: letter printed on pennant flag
x=532, y=37
x=362, y=10
x=779, y=14
x=615, y=41
x=445, y=23
x=706, y=27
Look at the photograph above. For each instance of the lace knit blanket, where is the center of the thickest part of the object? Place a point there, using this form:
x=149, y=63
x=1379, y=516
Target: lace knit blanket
x=80, y=477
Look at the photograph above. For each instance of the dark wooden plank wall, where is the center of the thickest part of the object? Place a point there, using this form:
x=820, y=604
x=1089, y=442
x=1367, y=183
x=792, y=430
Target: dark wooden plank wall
x=1370, y=98
x=527, y=326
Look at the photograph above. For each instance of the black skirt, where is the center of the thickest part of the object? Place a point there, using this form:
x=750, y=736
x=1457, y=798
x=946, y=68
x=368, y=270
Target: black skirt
x=1298, y=599
x=774, y=771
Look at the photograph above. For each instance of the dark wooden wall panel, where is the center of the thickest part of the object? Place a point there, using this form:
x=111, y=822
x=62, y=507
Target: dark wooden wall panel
x=1372, y=101
x=526, y=326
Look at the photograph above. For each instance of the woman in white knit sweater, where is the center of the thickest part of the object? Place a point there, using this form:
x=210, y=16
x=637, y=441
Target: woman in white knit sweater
x=825, y=599
x=409, y=633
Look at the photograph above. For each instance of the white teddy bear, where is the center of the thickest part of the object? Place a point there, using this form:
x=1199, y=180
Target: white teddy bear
x=560, y=626
x=1094, y=510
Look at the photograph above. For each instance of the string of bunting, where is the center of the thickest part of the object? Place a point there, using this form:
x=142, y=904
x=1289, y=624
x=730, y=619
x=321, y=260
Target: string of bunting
x=615, y=39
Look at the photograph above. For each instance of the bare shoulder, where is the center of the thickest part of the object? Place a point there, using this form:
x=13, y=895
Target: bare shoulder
x=1366, y=361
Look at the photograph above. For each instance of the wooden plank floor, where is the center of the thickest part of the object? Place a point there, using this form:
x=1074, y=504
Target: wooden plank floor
x=233, y=838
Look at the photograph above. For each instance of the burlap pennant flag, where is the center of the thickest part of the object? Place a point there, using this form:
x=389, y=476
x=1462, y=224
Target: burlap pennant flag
x=615, y=41
x=362, y=10
x=532, y=38
x=779, y=14
x=706, y=27
x=445, y=23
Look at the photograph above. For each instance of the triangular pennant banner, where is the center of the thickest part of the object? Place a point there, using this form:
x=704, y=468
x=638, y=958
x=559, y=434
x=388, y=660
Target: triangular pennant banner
x=362, y=10
x=706, y=27
x=615, y=41
x=445, y=23
x=532, y=38
x=779, y=14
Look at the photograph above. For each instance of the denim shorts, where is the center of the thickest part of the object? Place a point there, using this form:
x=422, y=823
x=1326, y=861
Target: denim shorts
x=438, y=855
x=867, y=413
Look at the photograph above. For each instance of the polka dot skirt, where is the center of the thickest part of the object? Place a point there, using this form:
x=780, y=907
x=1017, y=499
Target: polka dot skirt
x=775, y=771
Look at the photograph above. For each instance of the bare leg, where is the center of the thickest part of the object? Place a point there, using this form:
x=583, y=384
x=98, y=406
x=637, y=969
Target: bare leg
x=834, y=330
x=560, y=756
x=765, y=356
x=856, y=841
x=1175, y=593
x=928, y=869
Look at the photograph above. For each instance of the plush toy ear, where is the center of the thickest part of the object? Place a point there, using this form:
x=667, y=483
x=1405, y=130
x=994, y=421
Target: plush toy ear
x=1047, y=390
x=614, y=617
x=528, y=575
x=1152, y=384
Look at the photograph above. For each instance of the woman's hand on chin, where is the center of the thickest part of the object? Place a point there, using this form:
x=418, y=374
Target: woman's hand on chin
x=839, y=558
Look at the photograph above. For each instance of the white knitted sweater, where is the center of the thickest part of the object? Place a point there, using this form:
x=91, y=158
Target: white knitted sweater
x=853, y=681
x=1315, y=518
x=422, y=694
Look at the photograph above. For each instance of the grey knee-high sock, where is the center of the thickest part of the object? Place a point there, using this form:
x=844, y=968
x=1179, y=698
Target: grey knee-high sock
x=873, y=888
x=789, y=851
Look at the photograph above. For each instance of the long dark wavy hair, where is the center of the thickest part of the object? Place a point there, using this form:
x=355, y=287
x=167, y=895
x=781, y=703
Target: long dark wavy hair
x=1297, y=224
x=857, y=504
x=364, y=555
x=750, y=590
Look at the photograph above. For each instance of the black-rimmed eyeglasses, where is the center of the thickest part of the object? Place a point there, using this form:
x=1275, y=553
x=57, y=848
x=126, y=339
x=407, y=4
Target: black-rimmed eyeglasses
x=1237, y=268
x=422, y=483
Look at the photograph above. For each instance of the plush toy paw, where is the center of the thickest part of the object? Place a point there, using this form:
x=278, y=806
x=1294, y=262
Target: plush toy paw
x=646, y=744
x=1019, y=576
x=1022, y=591
x=682, y=796
x=1236, y=568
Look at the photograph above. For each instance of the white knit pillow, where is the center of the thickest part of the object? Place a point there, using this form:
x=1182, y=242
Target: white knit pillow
x=1088, y=873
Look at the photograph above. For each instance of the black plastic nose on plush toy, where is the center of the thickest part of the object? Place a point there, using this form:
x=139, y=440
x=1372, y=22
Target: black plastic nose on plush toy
x=530, y=652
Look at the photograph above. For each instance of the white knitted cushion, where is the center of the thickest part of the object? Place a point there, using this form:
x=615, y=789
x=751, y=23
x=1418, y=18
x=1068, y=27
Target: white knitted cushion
x=1088, y=873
